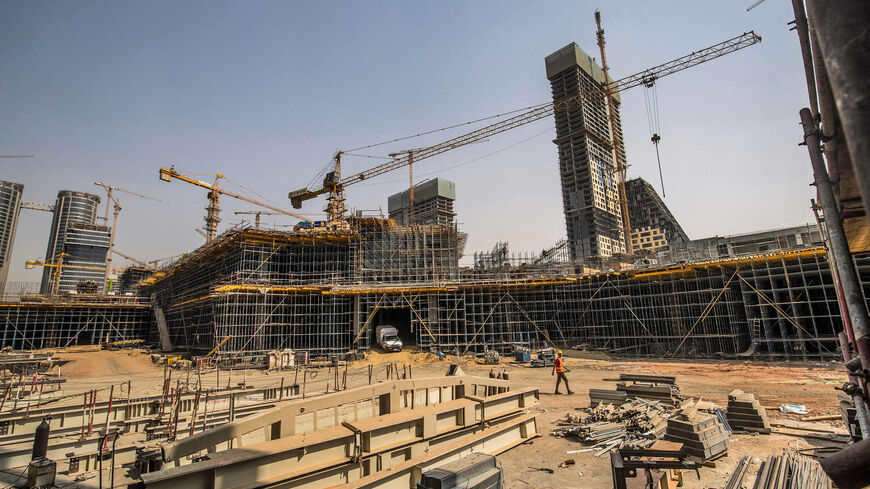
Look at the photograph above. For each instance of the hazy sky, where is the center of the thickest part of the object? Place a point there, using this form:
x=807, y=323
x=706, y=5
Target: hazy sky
x=266, y=91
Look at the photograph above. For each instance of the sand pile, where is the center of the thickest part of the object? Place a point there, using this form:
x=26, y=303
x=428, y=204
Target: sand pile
x=100, y=363
x=406, y=357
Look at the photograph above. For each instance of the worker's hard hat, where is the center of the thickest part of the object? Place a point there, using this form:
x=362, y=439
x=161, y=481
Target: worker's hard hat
x=559, y=352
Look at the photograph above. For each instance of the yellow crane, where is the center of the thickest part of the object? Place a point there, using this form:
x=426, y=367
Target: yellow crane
x=150, y=266
x=334, y=184
x=58, y=269
x=212, y=217
x=615, y=142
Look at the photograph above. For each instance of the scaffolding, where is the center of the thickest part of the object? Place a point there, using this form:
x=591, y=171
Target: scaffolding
x=326, y=294
x=35, y=326
x=265, y=289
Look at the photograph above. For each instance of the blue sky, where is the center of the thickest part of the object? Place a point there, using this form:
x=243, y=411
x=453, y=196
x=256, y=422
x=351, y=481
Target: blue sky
x=266, y=91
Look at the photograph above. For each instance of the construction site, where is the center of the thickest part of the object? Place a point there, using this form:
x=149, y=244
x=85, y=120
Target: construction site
x=364, y=349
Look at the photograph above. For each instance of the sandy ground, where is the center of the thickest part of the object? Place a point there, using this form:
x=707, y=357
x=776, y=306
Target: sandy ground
x=102, y=363
x=773, y=383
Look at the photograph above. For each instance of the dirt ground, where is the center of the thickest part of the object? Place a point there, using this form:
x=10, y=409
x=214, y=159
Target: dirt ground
x=773, y=384
x=710, y=380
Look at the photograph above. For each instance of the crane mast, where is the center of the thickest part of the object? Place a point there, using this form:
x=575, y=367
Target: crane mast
x=117, y=210
x=615, y=141
x=334, y=184
x=212, y=217
x=257, y=215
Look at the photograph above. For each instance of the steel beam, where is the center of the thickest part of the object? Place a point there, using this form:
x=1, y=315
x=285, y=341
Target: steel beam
x=353, y=451
x=136, y=413
x=287, y=418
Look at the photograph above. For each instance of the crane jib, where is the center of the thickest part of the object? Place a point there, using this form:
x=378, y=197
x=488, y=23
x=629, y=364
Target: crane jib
x=647, y=76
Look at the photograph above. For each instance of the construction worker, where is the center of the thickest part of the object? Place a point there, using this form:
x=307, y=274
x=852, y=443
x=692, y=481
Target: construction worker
x=559, y=368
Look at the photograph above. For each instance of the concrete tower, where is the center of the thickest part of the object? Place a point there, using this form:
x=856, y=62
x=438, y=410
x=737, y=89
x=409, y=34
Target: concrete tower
x=590, y=186
x=433, y=203
x=71, y=207
x=10, y=205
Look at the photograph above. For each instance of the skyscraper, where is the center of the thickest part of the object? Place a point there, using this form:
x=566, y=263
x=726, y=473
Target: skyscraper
x=85, y=246
x=590, y=185
x=10, y=205
x=71, y=207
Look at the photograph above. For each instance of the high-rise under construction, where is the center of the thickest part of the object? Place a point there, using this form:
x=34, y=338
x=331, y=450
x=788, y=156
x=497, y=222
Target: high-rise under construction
x=10, y=205
x=590, y=185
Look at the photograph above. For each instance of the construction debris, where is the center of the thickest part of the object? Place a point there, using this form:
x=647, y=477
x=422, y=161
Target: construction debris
x=604, y=396
x=593, y=432
x=655, y=387
x=638, y=416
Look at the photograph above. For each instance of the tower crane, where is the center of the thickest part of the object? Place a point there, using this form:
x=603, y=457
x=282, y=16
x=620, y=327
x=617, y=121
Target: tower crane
x=117, y=210
x=37, y=206
x=615, y=146
x=58, y=269
x=212, y=217
x=257, y=215
x=334, y=184
x=137, y=261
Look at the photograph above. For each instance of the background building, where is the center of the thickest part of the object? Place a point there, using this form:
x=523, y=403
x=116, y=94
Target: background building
x=773, y=240
x=653, y=225
x=590, y=189
x=433, y=203
x=71, y=207
x=10, y=205
x=85, y=247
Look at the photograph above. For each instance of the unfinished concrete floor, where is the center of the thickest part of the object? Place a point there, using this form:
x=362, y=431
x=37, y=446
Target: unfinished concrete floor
x=773, y=383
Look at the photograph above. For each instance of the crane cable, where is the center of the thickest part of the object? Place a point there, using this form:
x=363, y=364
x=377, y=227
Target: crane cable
x=461, y=124
x=653, y=116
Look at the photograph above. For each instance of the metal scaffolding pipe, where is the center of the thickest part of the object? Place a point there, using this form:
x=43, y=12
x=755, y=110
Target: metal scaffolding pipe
x=841, y=28
x=857, y=307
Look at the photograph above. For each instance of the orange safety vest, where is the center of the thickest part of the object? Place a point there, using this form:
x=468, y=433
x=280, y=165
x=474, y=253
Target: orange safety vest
x=560, y=365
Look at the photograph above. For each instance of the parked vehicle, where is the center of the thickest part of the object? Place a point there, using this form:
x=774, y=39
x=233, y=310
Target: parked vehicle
x=388, y=338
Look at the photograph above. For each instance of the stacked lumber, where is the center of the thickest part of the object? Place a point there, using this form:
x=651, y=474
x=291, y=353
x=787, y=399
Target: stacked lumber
x=662, y=388
x=605, y=396
x=701, y=434
x=746, y=413
x=791, y=471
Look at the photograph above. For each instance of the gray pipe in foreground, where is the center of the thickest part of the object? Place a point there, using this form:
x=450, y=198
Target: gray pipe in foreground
x=844, y=38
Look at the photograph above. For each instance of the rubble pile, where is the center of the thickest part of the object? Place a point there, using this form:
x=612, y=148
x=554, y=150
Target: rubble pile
x=638, y=415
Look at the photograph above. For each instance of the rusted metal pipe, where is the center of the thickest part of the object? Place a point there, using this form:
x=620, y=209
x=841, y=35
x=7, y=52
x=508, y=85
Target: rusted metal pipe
x=854, y=295
x=848, y=468
x=860, y=406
